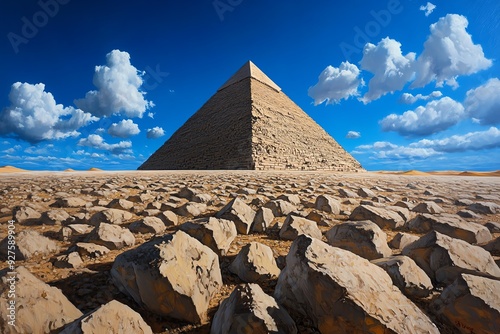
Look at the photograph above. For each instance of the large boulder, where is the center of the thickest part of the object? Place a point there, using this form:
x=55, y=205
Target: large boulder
x=148, y=225
x=218, y=234
x=280, y=207
x=363, y=238
x=69, y=202
x=427, y=207
x=451, y=225
x=406, y=275
x=328, y=204
x=191, y=209
x=39, y=308
x=384, y=218
x=255, y=263
x=263, y=219
x=294, y=226
x=401, y=240
x=54, y=217
x=110, y=216
x=24, y=214
x=250, y=310
x=344, y=293
x=28, y=243
x=471, y=304
x=240, y=213
x=484, y=208
x=121, y=203
x=443, y=258
x=111, y=236
x=113, y=317
x=174, y=275
x=493, y=247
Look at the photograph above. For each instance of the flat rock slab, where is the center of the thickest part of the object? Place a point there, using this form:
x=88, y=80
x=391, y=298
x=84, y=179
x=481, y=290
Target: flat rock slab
x=443, y=257
x=384, y=218
x=344, y=293
x=471, y=304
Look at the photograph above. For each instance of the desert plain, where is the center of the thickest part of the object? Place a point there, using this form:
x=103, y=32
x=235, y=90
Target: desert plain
x=248, y=251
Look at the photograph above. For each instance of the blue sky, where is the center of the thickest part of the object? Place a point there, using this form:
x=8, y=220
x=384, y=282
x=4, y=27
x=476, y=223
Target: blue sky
x=400, y=84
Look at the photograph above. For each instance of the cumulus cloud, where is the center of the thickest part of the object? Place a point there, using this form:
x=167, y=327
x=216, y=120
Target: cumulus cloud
x=124, y=129
x=353, y=135
x=96, y=141
x=34, y=115
x=335, y=84
x=436, y=116
x=387, y=150
x=483, y=103
x=390, y=68
x=472, y=141
x=408, y=98
x=428, y=8
x=449, y=52
x=155, y=132
x=118, y=89
x=151, y=114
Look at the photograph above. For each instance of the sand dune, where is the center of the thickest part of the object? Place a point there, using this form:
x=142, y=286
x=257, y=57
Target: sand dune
x=93, y=169
x=11, y=169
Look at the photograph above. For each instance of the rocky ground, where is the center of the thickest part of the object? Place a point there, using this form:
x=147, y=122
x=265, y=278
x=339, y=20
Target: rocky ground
x=286, y=252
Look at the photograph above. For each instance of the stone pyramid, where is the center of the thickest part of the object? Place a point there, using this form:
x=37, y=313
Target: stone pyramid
x=251, y=124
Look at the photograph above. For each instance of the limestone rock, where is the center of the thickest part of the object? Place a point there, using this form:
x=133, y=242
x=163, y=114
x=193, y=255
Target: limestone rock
x=468, y=214
x=484, y=208
x=366, y=193
x=471, y=304
x=280, y=207
x=240, y=213
x=346, y=193
x=263, y=219
x=40, y=308
x=71, y=260
x=328, y=204
x=363, y=238
x=344, y=293
x=169, y=218
x=218, y=234
x=493, y=247
x=91, y=249
x=294, y=226
x=401, y=240
x=255, y=263
x=451, y=225
x=110, y=216
x=249, y=308
x=28, y=244
x=113, y=317
x=406, y=275
x=443, y=257
x=428, y=207
x=191, y=209
x=173, y=275
x=111, y=236
x=493, y=227
x=148, y=225
x=23, y=214
x=54, y=217
x=290, y=198
x=382, y=217
x=120, y=203
x=70, y=202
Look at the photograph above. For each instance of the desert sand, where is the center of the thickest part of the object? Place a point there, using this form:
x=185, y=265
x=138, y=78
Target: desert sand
x=65, y=208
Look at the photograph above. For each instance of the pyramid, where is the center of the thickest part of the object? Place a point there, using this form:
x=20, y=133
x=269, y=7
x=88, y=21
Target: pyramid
x=249, y=123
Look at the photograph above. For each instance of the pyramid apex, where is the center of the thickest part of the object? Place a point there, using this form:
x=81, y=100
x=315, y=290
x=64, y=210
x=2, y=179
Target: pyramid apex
x=250, y=70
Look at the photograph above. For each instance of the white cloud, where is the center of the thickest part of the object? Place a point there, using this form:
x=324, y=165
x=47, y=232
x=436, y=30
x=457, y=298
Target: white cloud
x=335, y=84
x=387, y=150
x=118, y=92
x=155, y=132
x=408, y=98
x=436, y=116
x=428, y=8
x=151, y=114
x=34, y=115
x=96, y=141
x=448, y=53
x=483, y=103
x=353, y=135
x=124, y=129
x=391, y=69
x=472, y=141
